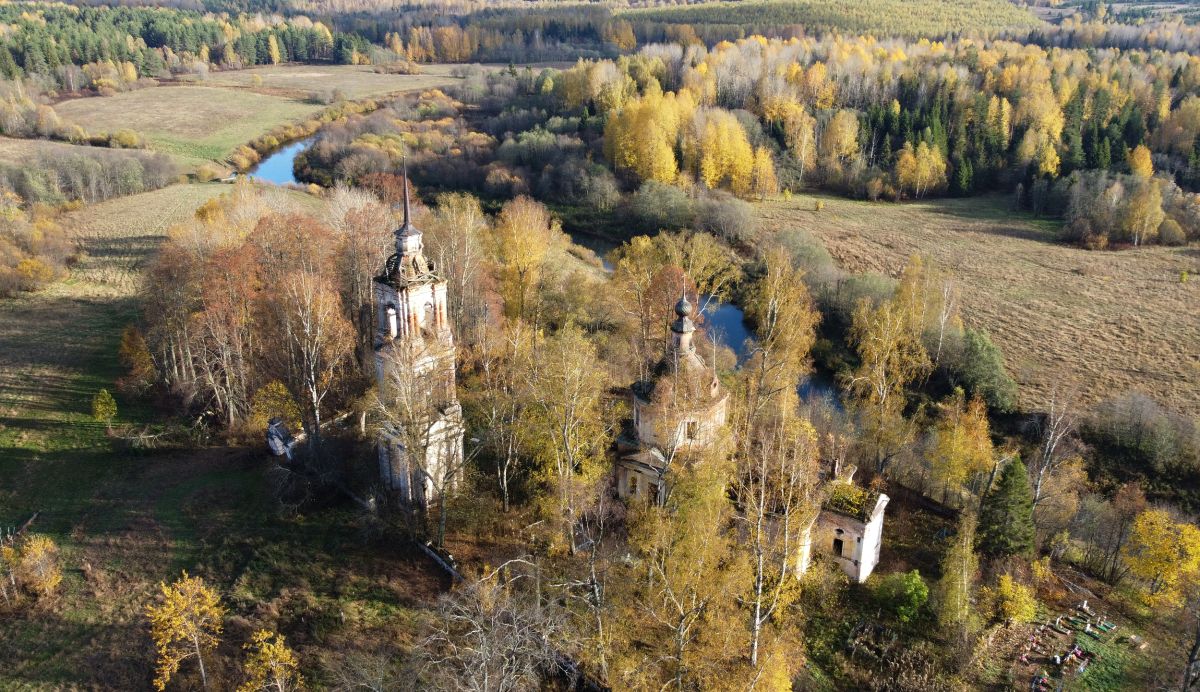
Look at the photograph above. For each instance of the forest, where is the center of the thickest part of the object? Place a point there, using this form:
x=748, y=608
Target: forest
x=1025, y=545
x=1108, y=144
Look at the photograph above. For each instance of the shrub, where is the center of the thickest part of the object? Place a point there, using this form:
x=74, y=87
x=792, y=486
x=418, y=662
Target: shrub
x=1135, y=435
x=37, y=568
x=819, y=206
x=902, y=594
x=273, y=400
x=125, y=139
x=1171, y=233
x=104, y=407
x=1012, y=603
x=661, y=206
x=981, y=370
x=728, y=217
x=807, y=252
x=207, y=173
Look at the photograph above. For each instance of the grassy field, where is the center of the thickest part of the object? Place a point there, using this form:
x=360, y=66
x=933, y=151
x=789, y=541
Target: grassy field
x=126, y=521
x=20, y=151
x=1103, y=322
x=355, y=81
x=192, y=122
x=206, y=122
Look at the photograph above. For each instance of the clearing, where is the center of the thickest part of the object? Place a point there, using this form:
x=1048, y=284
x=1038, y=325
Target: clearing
x=205, y=123
x=355, y=81
x=1101, y=322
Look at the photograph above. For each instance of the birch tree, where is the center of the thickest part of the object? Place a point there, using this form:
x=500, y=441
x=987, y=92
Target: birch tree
x=185, y=623
x=313, y=345
x=776, y=494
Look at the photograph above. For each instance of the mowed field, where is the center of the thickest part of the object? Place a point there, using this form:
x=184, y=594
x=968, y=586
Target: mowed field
x=125, y=520
x=1101, y=323
x=206, y=121
x=355, y=81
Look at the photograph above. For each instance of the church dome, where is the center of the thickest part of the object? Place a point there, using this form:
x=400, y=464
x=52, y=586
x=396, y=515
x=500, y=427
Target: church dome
x=683, y=311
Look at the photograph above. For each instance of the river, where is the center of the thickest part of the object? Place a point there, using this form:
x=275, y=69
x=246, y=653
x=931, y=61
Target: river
x=279, y=167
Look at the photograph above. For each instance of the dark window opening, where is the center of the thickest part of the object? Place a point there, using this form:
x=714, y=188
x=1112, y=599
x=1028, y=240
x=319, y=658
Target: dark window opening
x=837, y=547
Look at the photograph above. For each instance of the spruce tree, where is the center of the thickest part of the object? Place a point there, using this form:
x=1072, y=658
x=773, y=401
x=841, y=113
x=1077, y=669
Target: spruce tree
x=1006, y=516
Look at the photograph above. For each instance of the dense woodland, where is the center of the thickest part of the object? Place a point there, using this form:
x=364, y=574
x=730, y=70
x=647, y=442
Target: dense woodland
x=1106, y=140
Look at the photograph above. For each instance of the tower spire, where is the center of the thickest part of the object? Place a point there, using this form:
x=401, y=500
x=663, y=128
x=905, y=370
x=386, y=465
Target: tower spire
x=407, y=220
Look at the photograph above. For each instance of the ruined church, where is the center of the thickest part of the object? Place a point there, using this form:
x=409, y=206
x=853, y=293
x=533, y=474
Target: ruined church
x=414, y=365
x=680, y=412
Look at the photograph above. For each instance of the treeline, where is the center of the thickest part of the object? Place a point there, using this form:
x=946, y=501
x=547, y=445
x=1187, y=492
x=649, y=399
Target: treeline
x=716, y=21
x=1078, y=32
x=111, y=48
x=34, y=247
x=878, y=121
x=69, y=174
x=893, y=120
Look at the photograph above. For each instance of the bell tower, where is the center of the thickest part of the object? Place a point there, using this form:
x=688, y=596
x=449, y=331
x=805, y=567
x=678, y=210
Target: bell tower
x=414, y=348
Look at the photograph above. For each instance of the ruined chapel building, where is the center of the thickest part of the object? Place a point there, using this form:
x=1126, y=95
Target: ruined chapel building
x=848, y=529
x=678, y=411
x=414, y=361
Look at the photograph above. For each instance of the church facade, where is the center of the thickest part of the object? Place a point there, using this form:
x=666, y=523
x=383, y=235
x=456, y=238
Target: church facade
x=421, y=446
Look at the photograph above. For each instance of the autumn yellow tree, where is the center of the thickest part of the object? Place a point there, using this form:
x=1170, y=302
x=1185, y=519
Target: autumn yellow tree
x=887, y=337
x=185, y=623
x=642, y=136
x=921, y=170
x=762, y=174
x=780, y=305
x=1164, y=555
x=1139, y=162
x=800, y=136
x=1143, y=212
x=726, y=157
x=685, y=630
x=568, y=429
x=271, y=666
x=962, y=445
x=523, y=236
x=839, y=141
x=1012, y=602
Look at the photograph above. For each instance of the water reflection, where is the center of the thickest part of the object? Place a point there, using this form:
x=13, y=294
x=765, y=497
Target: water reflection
x=725, y=323
x=279, y=167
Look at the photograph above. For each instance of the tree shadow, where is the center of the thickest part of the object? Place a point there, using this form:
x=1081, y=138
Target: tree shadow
x=992, y=216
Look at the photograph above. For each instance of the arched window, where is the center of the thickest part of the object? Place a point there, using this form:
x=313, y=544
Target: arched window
x=393, y=326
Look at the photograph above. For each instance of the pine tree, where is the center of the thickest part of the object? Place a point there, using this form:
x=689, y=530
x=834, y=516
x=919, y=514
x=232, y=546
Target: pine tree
x=1006, y=517
x=961, y=185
